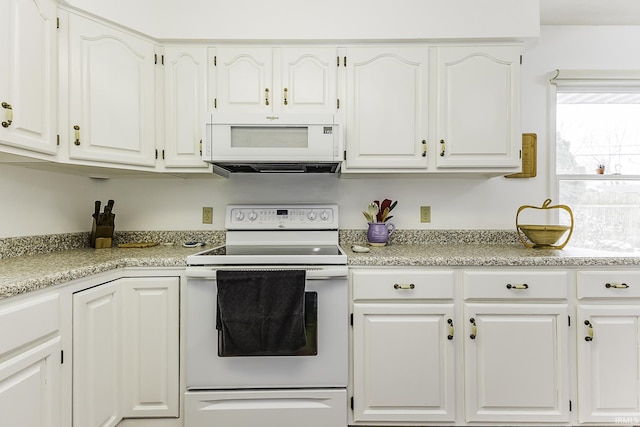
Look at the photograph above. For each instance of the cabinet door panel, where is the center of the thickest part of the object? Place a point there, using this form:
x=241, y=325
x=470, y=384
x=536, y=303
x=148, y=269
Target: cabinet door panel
x=387, y=108
x=309, y=80
x=29, y=74
x=516, y=365
x=403, y=363
x=151, y=340
x=112, y=87
x=478, y=100
x=608, y=365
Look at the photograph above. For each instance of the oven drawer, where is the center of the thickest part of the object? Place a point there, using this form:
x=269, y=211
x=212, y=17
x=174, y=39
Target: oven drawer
x=272, y=408
x=401, y=284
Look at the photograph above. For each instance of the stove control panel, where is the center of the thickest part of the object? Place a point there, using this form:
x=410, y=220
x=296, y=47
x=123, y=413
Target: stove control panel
x=277, y=217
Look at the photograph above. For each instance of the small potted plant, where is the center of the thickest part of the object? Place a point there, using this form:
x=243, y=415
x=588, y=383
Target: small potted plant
x=377, y=215
x=600, y=168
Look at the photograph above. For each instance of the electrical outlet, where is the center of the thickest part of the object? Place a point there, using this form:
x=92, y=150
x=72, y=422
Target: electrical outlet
x=425, y=213
x=207, y=215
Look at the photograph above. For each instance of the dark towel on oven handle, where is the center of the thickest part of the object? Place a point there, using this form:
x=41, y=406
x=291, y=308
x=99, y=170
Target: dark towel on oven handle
x=261, y=312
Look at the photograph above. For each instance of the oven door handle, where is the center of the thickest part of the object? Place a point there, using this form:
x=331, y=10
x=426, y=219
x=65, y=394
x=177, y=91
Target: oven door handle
x=312, y=273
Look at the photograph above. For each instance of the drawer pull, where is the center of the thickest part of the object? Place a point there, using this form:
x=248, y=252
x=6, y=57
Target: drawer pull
x=589, y=336
x=409, y=286
x=617, y=285
x=450, y=336
x=523, y=286
x=474, y=328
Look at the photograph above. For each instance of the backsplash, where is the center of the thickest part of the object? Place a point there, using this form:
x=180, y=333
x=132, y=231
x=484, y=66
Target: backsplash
x=31, y=245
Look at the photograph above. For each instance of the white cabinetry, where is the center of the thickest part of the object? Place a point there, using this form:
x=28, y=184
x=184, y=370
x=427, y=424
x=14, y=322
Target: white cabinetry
x=478, y=107
x=28, y=79
x=126, y=344
x=403, y=346
x=387, y=109
x=30, y=362
x=516, y=349
x=185, y=76
x=273, y=80
x=111, y=95
x=608, y=345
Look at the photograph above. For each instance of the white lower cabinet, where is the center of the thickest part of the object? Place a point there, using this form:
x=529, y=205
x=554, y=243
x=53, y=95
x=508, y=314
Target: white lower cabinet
x=608, y=342
x=126, y=351
x=403, y=346
x=30, y=362
x=516, y=346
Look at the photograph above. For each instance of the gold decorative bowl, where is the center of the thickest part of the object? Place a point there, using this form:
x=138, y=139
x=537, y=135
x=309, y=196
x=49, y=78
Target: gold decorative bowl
x=544, y=236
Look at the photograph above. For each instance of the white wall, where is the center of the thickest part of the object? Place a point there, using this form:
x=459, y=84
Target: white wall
x=66, y=202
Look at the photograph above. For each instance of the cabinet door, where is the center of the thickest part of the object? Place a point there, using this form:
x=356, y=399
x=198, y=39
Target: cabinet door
x=29, y=75
x=152, y=347
x=111, y=95
x=608, y=363
x=516, y=363
x=30, y=387
x=97, y=356
x=308, y=80
x=243, y=79
x=386, y=104
x=185, y=71
x=403, y=362
x=478, y=107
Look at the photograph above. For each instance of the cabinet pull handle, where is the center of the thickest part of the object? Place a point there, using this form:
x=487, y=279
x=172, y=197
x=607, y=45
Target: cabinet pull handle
x=409, y=286
x=442, y=148
x=523, y=286
x=617, y=285
x=9, y=114
x=266, y=96
x=424, y=148
x=450, y=336
x=286, y=91
x=474, y=329
x=77, y=133
x=589, y=336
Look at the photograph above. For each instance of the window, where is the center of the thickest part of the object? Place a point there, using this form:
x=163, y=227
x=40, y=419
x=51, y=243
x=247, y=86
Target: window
x=597, y=157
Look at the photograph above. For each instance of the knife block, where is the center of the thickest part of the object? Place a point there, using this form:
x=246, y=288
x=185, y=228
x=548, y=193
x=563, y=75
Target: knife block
x=101, y=235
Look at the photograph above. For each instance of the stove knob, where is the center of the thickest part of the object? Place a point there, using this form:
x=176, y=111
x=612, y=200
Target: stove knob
x=324, y=216
x=311, y=215
x=253, y=216
x=239, y=216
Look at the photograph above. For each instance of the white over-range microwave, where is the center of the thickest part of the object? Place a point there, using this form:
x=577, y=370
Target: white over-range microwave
x=273, y=143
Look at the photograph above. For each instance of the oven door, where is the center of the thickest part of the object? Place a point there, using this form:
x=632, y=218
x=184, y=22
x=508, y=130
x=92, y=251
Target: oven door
x=322, y=364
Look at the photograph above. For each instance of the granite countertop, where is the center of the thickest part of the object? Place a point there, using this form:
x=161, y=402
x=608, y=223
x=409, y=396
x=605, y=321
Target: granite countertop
x=30, y=272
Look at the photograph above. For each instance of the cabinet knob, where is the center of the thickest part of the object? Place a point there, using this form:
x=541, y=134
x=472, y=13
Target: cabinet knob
x=523, y=286
x=9, y=113
x=616, y=285
x=589, y=336
x=399, y=286
x=474, y=328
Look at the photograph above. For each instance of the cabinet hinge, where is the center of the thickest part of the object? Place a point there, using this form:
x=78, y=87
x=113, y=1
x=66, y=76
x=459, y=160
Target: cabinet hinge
x=520, y=154
x=215, y=61
x=61, y=357
x=351, y=319
x=520, y=59
x=337, y=61
x=352, y=403
x=57, y=23
x=155, y=58
x=162, y=59
x=337, y=104
x=569, y=406
x=162, y=154
x=344, y=61
x=569, y=320
x=215, y=102
x=345, y=155
x=58, y=140
x=156, y=154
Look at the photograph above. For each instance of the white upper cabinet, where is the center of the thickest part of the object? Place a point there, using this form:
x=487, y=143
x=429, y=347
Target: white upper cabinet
x=274, y=80
x=28, y=76
x=386, y=104
x=111, y=95
x=478, y=114
x=185, y=74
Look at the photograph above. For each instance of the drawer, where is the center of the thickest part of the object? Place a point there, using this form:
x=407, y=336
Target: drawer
x=516, y=284
x=27, y=320
x=402, y=284
x=608, y=284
